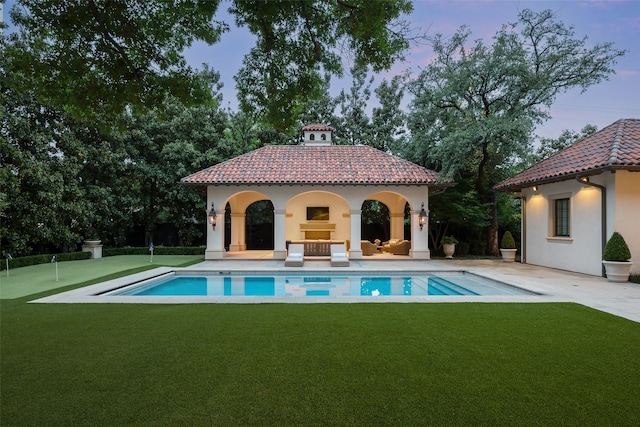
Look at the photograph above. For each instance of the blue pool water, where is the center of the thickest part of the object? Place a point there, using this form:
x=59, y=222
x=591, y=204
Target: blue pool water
x=324, y=285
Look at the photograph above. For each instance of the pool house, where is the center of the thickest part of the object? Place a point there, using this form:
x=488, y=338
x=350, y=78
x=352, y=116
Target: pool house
x=317, y=190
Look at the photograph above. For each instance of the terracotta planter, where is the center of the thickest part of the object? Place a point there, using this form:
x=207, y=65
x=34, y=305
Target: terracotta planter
x=617, y=271
x=508, y=255
x=449, y=249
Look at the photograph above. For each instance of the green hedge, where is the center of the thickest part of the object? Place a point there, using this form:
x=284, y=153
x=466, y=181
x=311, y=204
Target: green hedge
x=158, y=250
x=43, y=259
x=72, y=256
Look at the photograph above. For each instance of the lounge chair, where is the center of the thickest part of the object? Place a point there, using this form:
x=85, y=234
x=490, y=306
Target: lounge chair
x=368, y=248
x=386, y=245
x=339, y=255
x=401, y=248
x=295, y=255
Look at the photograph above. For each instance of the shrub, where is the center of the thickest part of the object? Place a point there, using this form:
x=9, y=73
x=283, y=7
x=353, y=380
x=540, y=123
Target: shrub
x=449, y=240
x=463, y=248
x=507, y=241
x=616, y=249
x=157, y=250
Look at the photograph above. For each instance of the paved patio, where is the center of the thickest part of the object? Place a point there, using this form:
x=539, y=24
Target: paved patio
x=620, y=299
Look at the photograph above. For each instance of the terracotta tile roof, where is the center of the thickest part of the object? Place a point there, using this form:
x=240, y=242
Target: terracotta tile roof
x=616, y=146
x=330, y=165
x=317, y=127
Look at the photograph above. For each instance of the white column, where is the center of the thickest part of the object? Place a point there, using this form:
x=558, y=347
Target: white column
x=419, y=238
x=279, y=244
x=238, y=232
x=355, y=251
x=215, y=237
x=396, y=225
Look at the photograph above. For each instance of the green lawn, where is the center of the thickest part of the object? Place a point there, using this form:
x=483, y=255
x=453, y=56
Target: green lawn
x=38, y=278
x=322, y=364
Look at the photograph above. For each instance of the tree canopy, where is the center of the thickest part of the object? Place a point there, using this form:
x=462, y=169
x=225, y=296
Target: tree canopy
x=63, y=176
x=476, y=104
x=92, y=57
x=299, y=42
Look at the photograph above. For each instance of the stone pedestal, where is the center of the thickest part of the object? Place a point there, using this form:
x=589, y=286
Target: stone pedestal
x=93, y=246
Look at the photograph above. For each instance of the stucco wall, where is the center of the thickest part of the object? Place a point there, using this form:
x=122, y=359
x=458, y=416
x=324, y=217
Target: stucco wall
x=339, y=214
x=342, y=200
x=626, y=213
x=581, y=252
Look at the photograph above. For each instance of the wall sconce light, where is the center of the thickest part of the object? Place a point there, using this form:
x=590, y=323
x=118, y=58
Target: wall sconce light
x=422, y=219
x=211, y=217
x=535, y=188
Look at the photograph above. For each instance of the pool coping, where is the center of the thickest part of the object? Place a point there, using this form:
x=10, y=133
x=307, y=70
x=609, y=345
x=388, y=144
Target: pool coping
x=619, y=299
x=91, y=294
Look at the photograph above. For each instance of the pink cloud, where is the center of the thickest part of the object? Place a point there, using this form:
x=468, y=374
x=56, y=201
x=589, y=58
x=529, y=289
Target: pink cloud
x=627, y=73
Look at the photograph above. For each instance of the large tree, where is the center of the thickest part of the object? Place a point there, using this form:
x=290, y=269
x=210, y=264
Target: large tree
x=165, y=145
x=388, y=121
x=90, y=57
x=354, y=126
x=550, y=146
x=476, y=104
x=62, y=180
x=298, y=42
x=58, y=177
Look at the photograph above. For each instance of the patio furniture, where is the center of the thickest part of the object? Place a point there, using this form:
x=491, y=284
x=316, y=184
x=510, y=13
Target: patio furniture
x=318, y=247
x=295, y=256
x=339, y=256
x=386, y=245
x=368, y=248
x=401, y=248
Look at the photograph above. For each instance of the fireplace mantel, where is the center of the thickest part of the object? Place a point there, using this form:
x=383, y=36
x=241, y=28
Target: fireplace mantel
x=317, y=230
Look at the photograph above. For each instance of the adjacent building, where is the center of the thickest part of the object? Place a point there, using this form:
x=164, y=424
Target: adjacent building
x=573, y=201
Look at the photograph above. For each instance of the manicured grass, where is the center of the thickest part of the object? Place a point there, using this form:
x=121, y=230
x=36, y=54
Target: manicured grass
x=322, y=364
x=38, y=278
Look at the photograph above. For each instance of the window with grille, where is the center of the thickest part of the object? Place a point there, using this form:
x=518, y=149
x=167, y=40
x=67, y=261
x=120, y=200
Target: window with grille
x=562, y=218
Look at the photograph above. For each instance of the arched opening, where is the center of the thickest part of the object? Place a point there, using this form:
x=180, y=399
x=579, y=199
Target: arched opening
x=375, y=221
x=317, y=215
x=248, y=222
x=259, y=225
x=386, y=224
x=407, y=221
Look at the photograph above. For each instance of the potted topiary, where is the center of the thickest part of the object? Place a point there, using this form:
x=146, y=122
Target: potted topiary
x=91, y=237
x=449, y=246
x=616, y=256
x=508, y=247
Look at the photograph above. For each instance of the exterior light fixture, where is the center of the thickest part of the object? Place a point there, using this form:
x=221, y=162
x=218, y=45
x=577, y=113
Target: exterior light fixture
x=212, y=217
x=535, y=188
x=422, y=219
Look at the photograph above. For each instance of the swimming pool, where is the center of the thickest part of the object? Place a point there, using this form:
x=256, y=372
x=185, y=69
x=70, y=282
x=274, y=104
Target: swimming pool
x=319, y=285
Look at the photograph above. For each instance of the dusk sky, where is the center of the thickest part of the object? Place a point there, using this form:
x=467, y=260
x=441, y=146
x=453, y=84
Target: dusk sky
x=616, y=21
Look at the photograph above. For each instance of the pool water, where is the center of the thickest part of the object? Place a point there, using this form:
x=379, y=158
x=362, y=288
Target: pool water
x=323, y=285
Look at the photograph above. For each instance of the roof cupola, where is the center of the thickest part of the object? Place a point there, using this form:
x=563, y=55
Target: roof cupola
x=317, y=134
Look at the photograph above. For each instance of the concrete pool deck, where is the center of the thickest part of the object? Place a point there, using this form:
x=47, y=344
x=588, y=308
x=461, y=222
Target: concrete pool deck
x=620, y=299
